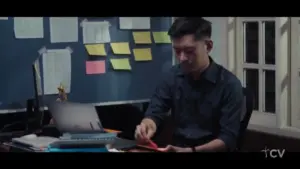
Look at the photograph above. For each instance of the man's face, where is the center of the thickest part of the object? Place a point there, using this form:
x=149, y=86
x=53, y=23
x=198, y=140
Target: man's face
x=190, y=52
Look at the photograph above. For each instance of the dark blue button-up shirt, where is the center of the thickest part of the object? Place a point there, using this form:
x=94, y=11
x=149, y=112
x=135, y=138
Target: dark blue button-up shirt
x=204, y=109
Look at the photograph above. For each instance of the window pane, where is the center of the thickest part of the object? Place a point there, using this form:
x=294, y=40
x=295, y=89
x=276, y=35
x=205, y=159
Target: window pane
x=251, y=42
x=251, y=77
x=269, y=91
x=269, y=42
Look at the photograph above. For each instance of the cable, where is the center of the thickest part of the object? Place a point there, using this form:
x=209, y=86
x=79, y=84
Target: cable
x=15, y=123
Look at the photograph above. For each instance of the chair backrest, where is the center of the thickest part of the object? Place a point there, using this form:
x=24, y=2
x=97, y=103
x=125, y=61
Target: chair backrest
x=246, y=115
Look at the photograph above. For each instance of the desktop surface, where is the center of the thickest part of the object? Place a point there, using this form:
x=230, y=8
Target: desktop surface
x=120, y=144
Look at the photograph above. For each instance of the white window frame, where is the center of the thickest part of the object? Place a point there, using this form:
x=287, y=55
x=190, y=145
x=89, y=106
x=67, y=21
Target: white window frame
x=235, y=64
x=295, y=70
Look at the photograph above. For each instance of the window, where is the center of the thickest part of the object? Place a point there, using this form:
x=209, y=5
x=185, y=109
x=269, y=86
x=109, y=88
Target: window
x=259, y=63
x=295, y=71
x=256, y=65
x=264, y=53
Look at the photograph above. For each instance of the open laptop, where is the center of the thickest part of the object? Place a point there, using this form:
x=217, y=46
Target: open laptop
x=81, y=118
x=75, y=117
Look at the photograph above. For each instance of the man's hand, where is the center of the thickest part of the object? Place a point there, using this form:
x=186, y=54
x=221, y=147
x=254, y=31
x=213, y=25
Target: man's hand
x=145, y=131
x=171, y=148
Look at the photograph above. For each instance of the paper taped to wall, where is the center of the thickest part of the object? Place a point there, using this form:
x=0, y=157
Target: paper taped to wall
x=95, y=32
x=28, y=27
x=135, y=23
x=63, y=29
x=56, y=70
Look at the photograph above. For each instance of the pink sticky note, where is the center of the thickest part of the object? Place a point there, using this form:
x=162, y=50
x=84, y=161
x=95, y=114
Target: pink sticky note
x=95, y=67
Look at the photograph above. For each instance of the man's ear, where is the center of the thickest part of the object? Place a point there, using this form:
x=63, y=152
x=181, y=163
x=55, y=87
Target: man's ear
x=209, y=45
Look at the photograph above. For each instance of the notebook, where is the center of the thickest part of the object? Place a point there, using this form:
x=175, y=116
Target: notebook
x=37, y=142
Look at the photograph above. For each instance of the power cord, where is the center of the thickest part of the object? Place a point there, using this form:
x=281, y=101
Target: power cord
x=16, y=123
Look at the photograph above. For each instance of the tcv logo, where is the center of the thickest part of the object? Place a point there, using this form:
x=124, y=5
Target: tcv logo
x=273, y=153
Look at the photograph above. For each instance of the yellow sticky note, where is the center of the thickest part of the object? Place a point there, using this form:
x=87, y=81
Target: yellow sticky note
x=120, y=64
x=161, y=37
x=142, y=54
x=142, y=37
x=120, y=48
x=96, y=49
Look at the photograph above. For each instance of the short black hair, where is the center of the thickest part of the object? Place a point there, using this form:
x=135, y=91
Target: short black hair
x=196, y=26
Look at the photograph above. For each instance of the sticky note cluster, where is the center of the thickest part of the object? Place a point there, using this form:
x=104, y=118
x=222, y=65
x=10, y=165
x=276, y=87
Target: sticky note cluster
x=145, y=37
x=140, y=54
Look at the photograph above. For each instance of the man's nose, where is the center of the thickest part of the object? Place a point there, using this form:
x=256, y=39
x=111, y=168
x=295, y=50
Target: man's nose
x=182, y=57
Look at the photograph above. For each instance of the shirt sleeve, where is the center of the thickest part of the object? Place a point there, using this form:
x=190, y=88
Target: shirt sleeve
x=231, y=110
x=161, y=101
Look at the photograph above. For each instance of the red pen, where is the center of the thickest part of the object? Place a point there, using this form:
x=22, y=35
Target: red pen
x=152, y=144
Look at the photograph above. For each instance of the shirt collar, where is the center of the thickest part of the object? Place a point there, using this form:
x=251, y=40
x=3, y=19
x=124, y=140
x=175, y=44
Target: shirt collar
x=210, y=73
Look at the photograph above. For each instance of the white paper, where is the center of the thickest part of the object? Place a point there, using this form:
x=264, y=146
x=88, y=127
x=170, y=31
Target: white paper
x=95, y=32
x=63, y=29
x=3, y=18
x=28, y=27
x=56, y=70
x=135, y=23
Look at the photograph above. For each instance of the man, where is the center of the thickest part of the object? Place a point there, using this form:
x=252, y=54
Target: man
x=206, y=99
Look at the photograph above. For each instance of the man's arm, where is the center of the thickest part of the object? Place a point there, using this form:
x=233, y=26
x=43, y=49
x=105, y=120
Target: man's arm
x=160, y=102
x=229, y=121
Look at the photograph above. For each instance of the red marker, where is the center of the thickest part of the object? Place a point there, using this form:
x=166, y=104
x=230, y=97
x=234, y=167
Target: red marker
x=152, y=144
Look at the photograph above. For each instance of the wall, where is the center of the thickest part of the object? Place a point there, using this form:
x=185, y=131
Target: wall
x=219, y=36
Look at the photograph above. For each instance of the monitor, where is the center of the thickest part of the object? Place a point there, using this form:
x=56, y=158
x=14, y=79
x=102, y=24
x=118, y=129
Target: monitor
x=38, y=106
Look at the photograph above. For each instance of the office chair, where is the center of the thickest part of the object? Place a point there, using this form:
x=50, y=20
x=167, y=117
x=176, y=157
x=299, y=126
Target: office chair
x=246, y=115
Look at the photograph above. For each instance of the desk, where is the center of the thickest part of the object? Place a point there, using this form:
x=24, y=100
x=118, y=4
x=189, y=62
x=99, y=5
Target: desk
x=9, y=147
